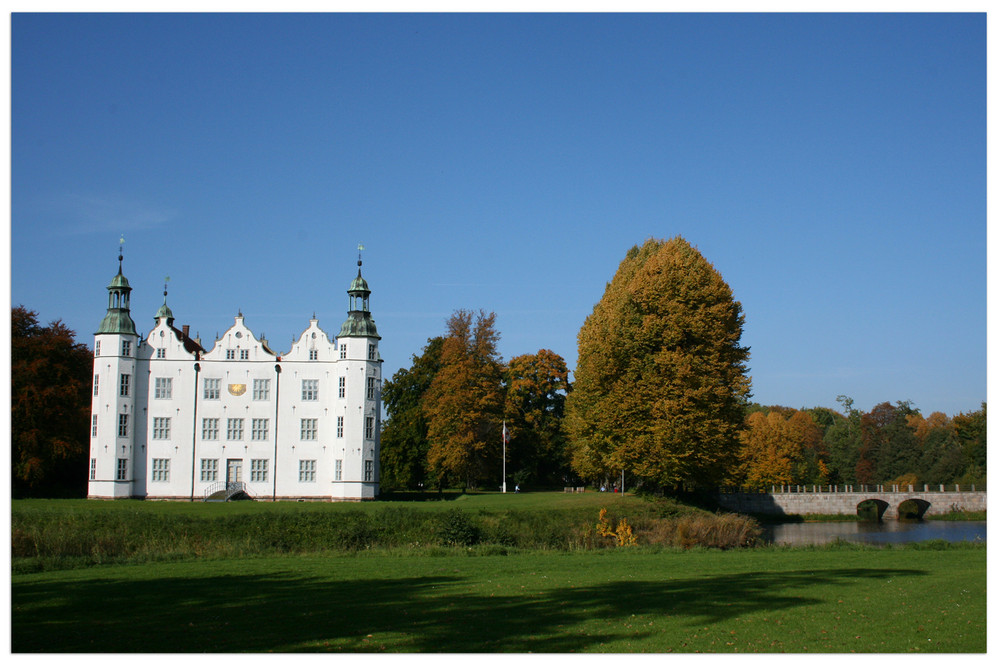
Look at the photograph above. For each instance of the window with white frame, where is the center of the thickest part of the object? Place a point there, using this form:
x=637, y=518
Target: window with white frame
x=310, y=390
x=369, y=427
x=313, y=354
x=161, y=471
x=307, y=470
x=338, y=469
x=371, y=352
x=369, y=470
x=230, y=354
x=308, y=429
x=234, y=429
x=96, y=379
x=97, y=348
x=258, y=471
x=161, y=428
x=93, y=425
x=342, y=386
x=340, y=427
x=124, y=385
x=209, y=470
x=212, y=388
x=163, y=388
x=122, y=424
x=371, y=387
x=161, y=353
x=122, y=472
x=343, y=350
x=261, y=389
x=126, y=348
x=244, y=354
x=258, y=429
x=210, y=429
x=93, y=468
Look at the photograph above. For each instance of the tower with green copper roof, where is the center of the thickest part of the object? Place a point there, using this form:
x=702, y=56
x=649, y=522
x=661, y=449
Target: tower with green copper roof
x=113, y=412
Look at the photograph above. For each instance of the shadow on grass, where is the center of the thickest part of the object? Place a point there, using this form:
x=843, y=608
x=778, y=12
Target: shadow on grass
x=289, y=612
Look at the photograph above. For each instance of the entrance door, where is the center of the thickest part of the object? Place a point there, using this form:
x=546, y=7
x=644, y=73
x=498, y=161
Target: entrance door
x=234, y=471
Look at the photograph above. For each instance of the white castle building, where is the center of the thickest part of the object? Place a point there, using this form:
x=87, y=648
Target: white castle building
x=172, y=420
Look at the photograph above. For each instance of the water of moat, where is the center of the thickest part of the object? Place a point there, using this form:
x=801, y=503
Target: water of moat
x=874, y=533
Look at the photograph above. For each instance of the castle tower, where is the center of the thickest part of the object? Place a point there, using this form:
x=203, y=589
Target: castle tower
x=358, y=475
x=113, y=417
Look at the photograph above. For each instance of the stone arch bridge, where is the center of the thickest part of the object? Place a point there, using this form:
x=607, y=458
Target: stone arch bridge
x=846, y=499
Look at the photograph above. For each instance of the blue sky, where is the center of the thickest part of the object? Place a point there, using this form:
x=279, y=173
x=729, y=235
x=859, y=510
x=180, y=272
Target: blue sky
x=831, y=167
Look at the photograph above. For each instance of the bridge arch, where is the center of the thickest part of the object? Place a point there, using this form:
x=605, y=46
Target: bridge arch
x=912, y=509
x=872, y=509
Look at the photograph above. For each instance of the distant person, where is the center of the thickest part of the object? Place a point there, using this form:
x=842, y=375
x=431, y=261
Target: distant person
x=517, y=488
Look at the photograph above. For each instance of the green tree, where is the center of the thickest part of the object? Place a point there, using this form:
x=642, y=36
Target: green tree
x=50, y=408
x=404, y=434
x=842, y=439
x=464, y=405
x=970, y=428
x=889, y=444
x=660, y=386
x=536, y=397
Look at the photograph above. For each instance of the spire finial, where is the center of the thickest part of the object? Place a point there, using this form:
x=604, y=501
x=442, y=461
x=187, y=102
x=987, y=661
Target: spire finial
x=121, y=245
x=361, y=248
x=165, y=280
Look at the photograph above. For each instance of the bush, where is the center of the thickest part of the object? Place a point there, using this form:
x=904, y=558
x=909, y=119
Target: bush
x=456, y=528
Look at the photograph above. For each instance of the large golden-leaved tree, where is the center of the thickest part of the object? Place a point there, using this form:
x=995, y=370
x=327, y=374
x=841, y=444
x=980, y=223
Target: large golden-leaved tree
x=661, y=383
x=464, y=405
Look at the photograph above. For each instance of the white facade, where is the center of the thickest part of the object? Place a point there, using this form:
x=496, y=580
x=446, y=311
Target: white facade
x=172, y=420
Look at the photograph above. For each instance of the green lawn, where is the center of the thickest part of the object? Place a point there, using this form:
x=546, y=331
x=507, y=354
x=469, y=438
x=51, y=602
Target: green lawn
x=643, y=600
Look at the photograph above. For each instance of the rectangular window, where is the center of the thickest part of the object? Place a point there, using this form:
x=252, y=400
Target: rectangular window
x=210, y=429
x=371, y=387
x=258, y=429
x=308, y=429
x=341, y=386
x=371, y=352
x=126, y=348
x=96, y=377
x=244, y=354
x=161, y=353
x=93, y=425
x=93, y=468
x=258, y=471
x=340, y=427
x=124, y=384
x=369, y=427
x=338, y=469
x=343, y=350
x=307, y=470
x=310, y=390
x=122, y=424
x=230, y=354
x=161, y=428
x=122, y=473
x=209, y=470
x=212, y=388
x=234, y=429
x=262, y=389
x=369, y=470
x=313, y=354
x=97, y=349
x=161, y=471
x=163, y=388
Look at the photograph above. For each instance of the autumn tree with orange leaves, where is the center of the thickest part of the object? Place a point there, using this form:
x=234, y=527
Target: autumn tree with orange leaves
x=464, y=404
x=660, y=385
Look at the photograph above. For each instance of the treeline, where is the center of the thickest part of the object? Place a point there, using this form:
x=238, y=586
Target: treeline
x=449, y=410
x=891, y=444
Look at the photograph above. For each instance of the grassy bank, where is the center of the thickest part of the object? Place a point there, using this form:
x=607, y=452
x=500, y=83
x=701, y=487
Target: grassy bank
x=52, y=535
x=831, y=599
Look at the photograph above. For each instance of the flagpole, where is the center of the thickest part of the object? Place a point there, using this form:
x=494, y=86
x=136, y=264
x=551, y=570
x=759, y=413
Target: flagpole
x=503, y=437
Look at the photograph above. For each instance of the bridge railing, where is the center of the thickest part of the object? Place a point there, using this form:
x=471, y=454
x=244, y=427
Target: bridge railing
x=866, y=489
